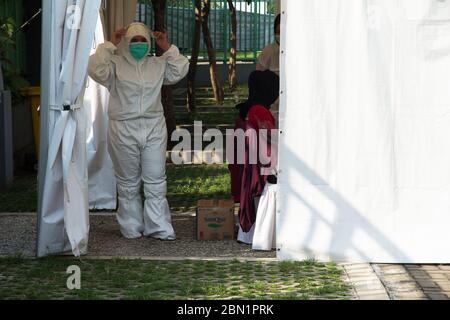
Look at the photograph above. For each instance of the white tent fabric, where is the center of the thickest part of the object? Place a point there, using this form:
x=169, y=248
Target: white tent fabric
x=63, y=214
x=365, y=121
x=115, y=14
x=102, y=182
x=264, y=237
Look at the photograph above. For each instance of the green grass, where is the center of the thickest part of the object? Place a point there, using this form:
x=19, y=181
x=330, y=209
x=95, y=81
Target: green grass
x=138, y=279
x=240, y=92
x=205, y=96
x=21, y=196
x=209, y=101
x=213, y=118
x=187, y=184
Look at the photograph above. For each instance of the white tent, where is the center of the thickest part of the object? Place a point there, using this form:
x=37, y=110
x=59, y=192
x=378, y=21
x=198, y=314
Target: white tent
x=365, y=143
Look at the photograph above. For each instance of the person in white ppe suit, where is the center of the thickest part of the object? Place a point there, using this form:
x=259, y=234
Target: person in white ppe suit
x=269, y=59
x=137, y=134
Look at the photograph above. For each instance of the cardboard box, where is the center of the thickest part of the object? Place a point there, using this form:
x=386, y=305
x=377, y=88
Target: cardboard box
x=215, y=220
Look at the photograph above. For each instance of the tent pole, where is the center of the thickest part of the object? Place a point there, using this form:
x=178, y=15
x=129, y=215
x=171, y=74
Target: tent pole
x=45, y=92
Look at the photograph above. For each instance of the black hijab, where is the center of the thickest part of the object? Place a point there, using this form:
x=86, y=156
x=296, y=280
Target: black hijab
x=263, y=88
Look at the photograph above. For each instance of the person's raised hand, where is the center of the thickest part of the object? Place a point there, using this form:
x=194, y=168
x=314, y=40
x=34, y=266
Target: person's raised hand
x=117, y=36
x=161, y=40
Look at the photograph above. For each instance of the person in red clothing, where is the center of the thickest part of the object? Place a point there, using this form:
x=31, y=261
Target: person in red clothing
x=247, y=179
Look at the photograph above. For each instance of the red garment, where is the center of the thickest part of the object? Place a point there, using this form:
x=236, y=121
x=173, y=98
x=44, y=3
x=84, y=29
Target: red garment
x=261, y=118
x=235, y=168
x=247, y=183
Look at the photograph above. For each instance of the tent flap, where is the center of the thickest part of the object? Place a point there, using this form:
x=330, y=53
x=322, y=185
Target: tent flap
x=102, y=183
x=63, y=215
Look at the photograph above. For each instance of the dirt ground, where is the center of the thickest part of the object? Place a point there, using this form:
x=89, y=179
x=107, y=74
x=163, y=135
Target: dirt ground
x=18, y=236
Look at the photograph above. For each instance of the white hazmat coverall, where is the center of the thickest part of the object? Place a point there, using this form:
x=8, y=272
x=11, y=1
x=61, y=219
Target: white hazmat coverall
x=137, y=136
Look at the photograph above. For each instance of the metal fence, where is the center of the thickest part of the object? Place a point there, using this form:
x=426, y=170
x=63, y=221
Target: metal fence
x=14, y=9
x=254, y=26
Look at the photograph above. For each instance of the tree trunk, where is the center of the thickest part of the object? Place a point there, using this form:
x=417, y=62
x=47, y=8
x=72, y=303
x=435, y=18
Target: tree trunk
x=194, y=58
x=217, y=89
x=159, y=8
x=232, y=77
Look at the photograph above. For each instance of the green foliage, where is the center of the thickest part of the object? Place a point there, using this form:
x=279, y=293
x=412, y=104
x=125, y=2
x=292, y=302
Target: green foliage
x=14, y=80
x=7, y=27
x=271, y=8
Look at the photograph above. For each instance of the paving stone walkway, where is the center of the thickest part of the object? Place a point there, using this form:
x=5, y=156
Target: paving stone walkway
x=415, y=282
x=366, y=284
x=399, y=282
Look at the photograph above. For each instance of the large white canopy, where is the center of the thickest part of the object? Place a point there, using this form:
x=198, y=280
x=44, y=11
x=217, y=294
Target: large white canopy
x=365, y=119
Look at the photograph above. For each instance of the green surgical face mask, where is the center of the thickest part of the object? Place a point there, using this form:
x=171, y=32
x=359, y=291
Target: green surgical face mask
x=139, y=50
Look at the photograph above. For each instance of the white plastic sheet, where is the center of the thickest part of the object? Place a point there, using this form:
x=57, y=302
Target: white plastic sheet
x=365, y=142
x=63, y=214
x=264, y=235
x=102, y=182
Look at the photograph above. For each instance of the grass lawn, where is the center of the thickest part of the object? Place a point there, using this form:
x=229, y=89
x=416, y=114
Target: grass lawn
x=211, y=118
x=186, y=184
x=139, y=279
x=189, y=183
x=241, y=91
x=205, y=96
x=21, y=196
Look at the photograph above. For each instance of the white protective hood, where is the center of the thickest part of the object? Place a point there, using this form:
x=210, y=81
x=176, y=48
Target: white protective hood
x=134, y=29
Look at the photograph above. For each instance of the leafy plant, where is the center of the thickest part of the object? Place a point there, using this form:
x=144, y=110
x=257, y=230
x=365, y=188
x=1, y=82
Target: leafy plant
x=7, y=27
x=14, y=80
